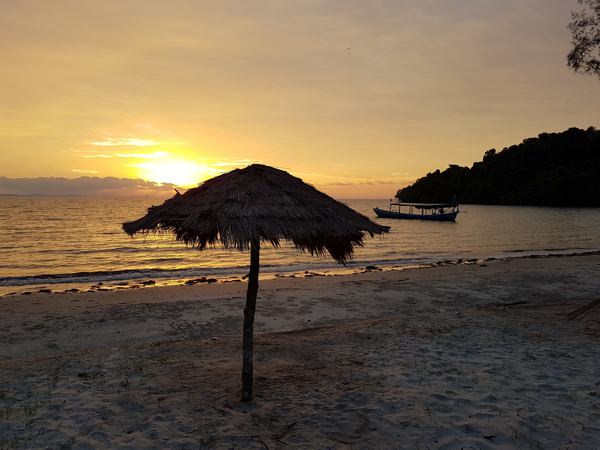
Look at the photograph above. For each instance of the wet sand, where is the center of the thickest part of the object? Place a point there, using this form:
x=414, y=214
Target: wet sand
x=471, y=356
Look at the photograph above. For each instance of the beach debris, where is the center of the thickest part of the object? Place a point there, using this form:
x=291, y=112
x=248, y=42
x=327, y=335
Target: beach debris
x=371, y=268
x=148, y=283
x=26, y=293
x=308, y=274
x=46, y=291
x=201, y=280
x=195, y=281
x=252, y=207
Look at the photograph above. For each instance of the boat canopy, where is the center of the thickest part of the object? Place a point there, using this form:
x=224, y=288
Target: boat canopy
x=425, y=205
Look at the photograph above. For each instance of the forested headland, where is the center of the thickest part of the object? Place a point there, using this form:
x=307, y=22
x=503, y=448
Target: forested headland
x=552, y=169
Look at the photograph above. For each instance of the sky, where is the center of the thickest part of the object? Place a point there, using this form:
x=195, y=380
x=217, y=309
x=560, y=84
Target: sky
x=356, y=97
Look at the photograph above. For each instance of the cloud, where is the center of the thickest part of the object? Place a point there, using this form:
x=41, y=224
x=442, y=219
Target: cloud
x=83, y=186
x=121, y=142
x=88, y=171
x=95, y=155
x=362, y=183
x=142, y=155
x=236, y=163
x=348, y=181
x=126, y=155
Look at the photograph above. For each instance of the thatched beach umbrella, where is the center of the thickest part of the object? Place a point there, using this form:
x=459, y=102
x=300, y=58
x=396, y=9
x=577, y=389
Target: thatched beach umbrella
x=258, y=204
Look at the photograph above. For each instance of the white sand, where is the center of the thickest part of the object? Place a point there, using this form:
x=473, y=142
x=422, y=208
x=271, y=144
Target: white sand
x=416, y=359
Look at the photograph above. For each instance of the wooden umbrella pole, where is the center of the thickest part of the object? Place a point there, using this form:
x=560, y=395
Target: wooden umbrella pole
x=247, y=348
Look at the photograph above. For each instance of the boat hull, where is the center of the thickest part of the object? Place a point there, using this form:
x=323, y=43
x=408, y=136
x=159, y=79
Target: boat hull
x=446, y=217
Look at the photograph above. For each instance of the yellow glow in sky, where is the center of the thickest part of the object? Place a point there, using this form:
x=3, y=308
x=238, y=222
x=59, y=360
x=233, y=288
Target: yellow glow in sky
x=181, y=172
x=136, y=142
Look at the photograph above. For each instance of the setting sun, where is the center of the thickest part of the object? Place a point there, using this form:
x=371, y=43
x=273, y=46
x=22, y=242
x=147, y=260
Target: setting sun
x=180, y=172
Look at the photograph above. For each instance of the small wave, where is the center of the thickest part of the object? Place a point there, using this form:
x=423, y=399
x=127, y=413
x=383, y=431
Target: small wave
x=176, y=273
x=163, y=260
x=547, y=252
x=237, y=270
x=78, y=251
x=551, y=249
x=133, y=274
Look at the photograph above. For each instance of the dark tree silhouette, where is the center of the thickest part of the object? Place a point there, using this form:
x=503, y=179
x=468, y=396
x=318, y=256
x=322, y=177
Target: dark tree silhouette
x=560, y=169
x=585, y=29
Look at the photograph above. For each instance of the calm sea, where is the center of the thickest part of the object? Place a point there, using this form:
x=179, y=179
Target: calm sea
x=61, y=242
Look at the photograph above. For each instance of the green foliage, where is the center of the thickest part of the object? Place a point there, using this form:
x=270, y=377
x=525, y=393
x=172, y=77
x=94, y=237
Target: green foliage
x=553, y=169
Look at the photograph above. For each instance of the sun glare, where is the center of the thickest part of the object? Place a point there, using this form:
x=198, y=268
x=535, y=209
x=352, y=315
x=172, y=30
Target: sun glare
x=174, y=164
x=180, y=172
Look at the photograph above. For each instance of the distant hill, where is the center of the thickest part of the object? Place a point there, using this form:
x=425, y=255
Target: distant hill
x=553, y=169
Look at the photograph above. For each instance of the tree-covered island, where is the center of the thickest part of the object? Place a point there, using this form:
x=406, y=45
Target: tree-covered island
x=552, y=169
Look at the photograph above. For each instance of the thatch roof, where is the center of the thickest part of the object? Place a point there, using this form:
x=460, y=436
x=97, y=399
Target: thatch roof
x=259, y=203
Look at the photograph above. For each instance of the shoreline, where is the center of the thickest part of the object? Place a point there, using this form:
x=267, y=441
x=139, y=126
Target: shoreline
x=106, y=285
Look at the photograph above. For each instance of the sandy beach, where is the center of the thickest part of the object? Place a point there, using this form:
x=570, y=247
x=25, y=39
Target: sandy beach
x=461, y=356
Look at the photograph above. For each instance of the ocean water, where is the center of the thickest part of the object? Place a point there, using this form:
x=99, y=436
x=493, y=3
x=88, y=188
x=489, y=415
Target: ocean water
x=61, y=242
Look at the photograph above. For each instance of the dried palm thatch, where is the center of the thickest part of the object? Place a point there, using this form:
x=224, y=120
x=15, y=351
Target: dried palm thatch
x=245, y=207
x=260, y=203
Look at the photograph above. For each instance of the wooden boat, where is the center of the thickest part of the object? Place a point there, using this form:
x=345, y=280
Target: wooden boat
x=442, y=212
